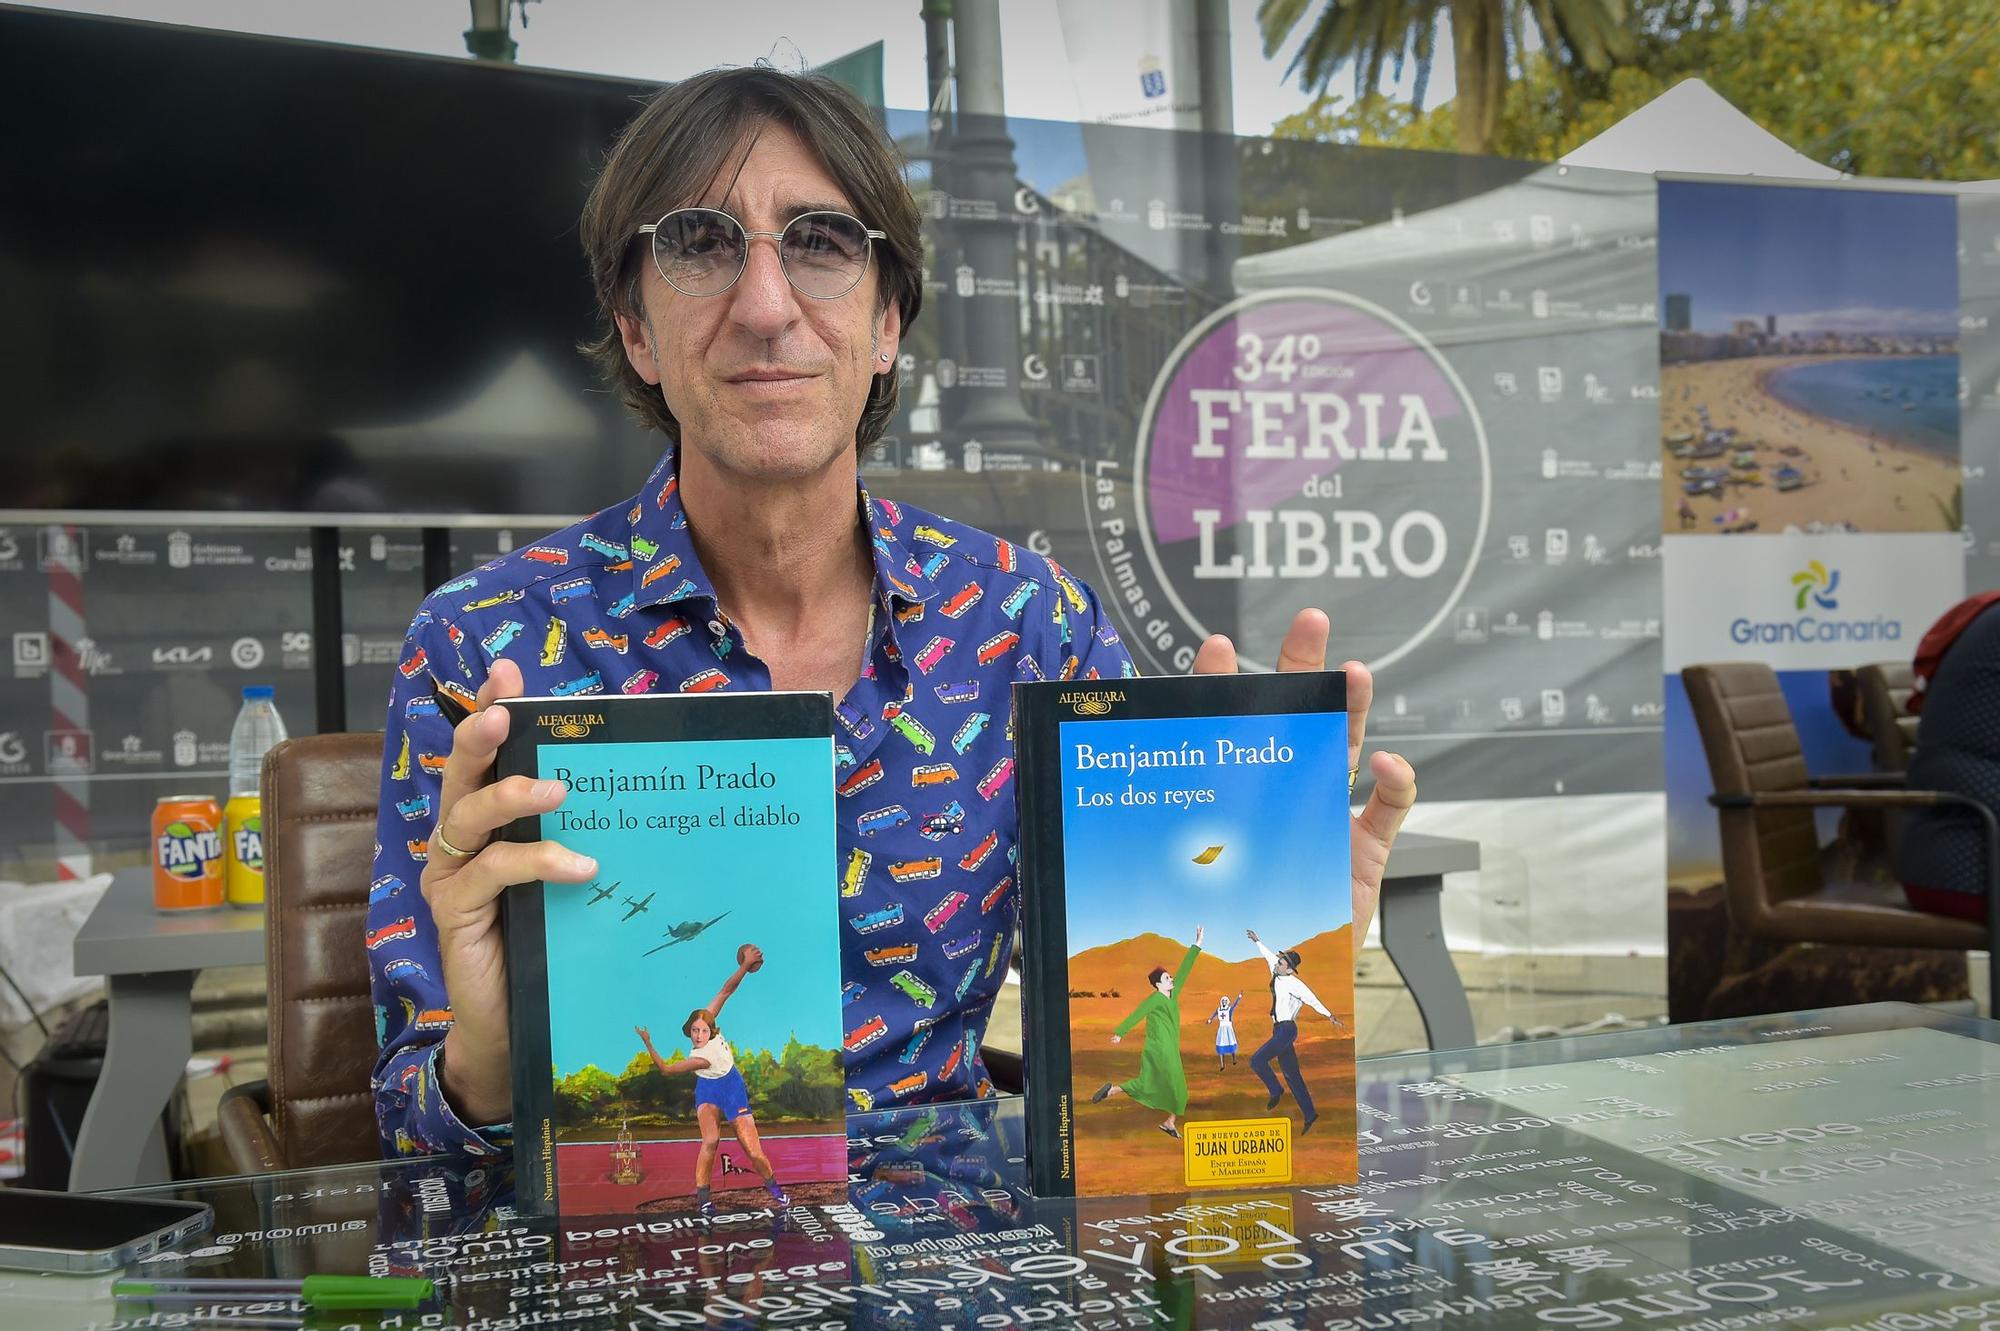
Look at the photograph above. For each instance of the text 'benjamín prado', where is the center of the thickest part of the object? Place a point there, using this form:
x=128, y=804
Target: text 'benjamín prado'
x=1226, y=752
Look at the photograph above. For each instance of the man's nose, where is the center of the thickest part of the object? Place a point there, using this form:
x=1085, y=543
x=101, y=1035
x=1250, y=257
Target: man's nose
x=762, y=301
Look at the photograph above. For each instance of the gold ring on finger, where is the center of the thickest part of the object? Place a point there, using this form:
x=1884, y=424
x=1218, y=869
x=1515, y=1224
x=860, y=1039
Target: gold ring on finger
x=438, y=840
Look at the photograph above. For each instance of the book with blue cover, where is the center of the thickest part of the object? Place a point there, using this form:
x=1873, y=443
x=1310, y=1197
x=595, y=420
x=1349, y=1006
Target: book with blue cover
x=676, y=1023
x=1187, y=933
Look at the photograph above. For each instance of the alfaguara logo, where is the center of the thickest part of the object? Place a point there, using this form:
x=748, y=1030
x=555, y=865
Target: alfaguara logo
x=1815, y=583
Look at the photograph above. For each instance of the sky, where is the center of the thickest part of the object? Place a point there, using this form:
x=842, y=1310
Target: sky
x=601, y=982
x=1284, y=875
x=1843, y=260
x=665, y=40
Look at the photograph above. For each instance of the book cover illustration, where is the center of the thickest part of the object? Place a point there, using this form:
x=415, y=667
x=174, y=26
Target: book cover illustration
x=1188, y=944
x=676, y=1023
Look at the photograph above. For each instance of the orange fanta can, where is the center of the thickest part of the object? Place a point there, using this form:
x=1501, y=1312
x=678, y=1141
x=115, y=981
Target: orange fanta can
x=187, y=853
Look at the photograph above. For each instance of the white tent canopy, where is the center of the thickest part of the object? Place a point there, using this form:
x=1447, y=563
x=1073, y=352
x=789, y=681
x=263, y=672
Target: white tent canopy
x=1692, y=129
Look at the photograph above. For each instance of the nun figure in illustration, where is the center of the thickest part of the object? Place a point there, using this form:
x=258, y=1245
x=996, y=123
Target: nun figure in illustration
x=1288, y=994
x=1224, y=1021
x=1161, y=1083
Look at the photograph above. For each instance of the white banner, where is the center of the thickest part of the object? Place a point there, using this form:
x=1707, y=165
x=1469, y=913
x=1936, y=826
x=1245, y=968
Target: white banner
x=1134, y=62
x=1807, y=602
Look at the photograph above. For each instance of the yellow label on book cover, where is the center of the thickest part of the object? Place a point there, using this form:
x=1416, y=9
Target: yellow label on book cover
x=1238, y=1230
x=1237, y=1150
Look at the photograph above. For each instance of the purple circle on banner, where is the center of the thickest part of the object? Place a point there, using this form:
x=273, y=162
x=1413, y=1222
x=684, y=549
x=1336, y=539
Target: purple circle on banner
x=1183, y=471
x=1302, y=447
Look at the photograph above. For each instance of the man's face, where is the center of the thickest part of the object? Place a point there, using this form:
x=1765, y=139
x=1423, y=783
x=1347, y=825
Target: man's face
x=1166, y=984
x=767, y=383
x=1284, y=966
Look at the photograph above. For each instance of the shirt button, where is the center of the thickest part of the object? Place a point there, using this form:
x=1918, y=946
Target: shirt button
x=715, y=627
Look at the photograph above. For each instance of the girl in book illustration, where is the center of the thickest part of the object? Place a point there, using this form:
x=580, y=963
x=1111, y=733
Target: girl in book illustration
x=1161, y=1083
x=719, y=1092
x=1288, y=994
x=1223, y=1019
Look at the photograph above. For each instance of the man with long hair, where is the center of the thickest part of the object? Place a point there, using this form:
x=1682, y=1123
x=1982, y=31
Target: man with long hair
x=757, y=261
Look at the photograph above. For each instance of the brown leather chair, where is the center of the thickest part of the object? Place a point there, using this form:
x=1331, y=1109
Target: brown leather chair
x=1885, y=695
x=1772, y=876
x=320, y=796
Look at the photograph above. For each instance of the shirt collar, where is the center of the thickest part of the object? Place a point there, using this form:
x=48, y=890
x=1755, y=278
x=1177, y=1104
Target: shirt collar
x=672, y=571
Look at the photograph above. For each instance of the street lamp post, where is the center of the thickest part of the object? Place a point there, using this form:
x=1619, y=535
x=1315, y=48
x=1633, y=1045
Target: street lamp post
x=983, y=167
x=490, y=36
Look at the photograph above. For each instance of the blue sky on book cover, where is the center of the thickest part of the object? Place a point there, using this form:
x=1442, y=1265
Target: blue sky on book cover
x=770, y=885
x=1132, y=867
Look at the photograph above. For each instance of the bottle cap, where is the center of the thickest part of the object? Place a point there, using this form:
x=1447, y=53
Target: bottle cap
x=251, y=691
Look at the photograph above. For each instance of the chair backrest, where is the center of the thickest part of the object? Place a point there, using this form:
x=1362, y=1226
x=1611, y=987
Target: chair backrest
x=320, y=795
x=1768, y=855
x=1885, y=692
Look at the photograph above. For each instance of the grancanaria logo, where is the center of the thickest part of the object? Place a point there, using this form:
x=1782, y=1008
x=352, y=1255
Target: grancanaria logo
x=1816, y=582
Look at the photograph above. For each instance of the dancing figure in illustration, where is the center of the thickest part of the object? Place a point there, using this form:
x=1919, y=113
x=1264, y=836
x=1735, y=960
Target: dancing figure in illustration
x=1288, y=994
x=1161, y=1083
x=1224, y=1021
x=719, y=1093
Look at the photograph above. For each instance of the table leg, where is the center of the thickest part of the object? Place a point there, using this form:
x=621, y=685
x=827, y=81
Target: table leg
x=1413, y=936
x=145, y=1056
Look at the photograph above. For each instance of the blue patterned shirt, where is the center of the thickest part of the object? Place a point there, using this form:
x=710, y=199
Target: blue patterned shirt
x=924, y=767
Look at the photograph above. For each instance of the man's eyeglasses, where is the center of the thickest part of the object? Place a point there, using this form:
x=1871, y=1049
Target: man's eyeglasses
x=701, y=251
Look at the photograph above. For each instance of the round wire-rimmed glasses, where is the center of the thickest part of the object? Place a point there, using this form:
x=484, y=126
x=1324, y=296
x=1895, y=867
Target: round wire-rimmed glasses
x=702, y=251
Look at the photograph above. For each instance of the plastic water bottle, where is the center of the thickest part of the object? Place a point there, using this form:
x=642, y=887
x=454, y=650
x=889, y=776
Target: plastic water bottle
x=257, y=731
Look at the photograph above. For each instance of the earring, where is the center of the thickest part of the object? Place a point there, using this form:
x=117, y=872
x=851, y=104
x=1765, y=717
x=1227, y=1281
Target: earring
x=885, y=358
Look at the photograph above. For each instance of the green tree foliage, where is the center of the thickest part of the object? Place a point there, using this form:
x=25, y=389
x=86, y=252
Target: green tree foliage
x=1587, y=37
x=801, y=1082
x=586, y=1092
x=1910, y=88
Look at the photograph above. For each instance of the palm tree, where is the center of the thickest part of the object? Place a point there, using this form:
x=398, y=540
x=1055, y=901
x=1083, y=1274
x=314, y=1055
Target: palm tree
x=1581, y=35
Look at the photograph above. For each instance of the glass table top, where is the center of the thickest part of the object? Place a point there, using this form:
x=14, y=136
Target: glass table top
x=1836, y=1169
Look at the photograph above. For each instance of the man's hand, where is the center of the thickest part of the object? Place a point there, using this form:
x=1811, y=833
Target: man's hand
x=1197, y=935
x=1374, y=830
x=464, y=896
x=1116, y=1038
x=645, y=1036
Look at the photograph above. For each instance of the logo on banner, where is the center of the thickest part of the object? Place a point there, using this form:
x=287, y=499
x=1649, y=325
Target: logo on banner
x=246, y=653
x=1815, y=583
x=13, y=753
x=1079, y=373
x=1299, y=446
x=184, y=748
x=180, y=549
x=1806, y=602
x=59, y=550
x=31, y=653
x=68, y=752
x=94, y=660
x=1152, y=79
